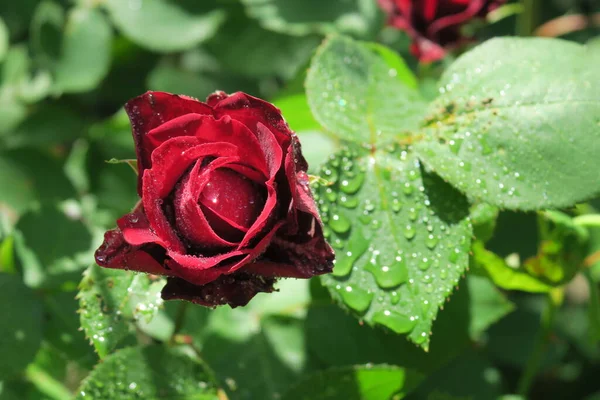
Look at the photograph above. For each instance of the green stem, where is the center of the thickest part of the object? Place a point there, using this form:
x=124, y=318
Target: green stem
x=528, y=19
x=179, y=320
x=588, y=220
x=46, y=384
x=554, y=298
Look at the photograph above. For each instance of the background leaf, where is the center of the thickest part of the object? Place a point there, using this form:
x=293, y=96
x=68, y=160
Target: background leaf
x=358, y=96
x=300, y=17
x=85, y=52
x=161, y=25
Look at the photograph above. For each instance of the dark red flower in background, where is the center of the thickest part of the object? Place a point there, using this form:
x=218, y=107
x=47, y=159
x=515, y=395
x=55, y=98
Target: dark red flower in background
x=225, y=204
x=435, y=25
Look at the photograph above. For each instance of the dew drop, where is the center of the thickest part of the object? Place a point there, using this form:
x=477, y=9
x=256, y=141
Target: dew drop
x=424, y=264
x=356, y=247
x=388, y=276
x=331, y=195
x=431, y=241
x=420, y=338
x=409, y=232
x=395, y=321
x=396, y=205
x=454, y=253
x=348, y=201
x=356, y=298
x=339, y=223
x=351, y=185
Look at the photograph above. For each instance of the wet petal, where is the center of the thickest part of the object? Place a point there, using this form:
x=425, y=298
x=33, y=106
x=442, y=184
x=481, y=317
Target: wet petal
x=152, y=109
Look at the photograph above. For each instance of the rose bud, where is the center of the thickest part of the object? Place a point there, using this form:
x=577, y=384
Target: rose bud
x=435, y=25
x=225, y=203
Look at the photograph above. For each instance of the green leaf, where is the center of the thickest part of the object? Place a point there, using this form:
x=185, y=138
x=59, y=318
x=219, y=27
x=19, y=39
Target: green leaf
x=161, y=25
x=286, y=54
x=370, y=382
x=26, y=173
x=300, y=17
x=63, y=331
x=49, y=124
x=493, y=266
x=111, y=300
x=55, y=260
x=85, y=56
x=332, y=335
x=316, y=148
x=169, y=78
x=16, y=65
x=46, y=32
x=12, y=112
x=516, y=124
x=294, y=107
x=470, y=376
x=488, y=305
x=4, y=40
x=265, y=338
x=21, y=327
x=359, y=95
x=152, y=373
x=401, y=236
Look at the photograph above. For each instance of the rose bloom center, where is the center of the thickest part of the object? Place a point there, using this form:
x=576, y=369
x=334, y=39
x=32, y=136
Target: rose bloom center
x=229, y=199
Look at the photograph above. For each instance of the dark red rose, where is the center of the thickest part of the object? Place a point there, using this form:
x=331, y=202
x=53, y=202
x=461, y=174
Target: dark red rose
x=225, y=204
x=435, y=25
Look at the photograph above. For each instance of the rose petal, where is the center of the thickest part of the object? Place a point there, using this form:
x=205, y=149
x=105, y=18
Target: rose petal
x=250, y=111
x=176, y=155
x=152, y=109
x=233, y=197
x=136, y=228
x=296, y=257
x=116, y=253
x=189, y=218
x=236, y=290
x=201, y=270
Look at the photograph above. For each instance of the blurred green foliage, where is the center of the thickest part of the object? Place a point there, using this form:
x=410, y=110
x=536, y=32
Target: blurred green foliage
x=66, y=69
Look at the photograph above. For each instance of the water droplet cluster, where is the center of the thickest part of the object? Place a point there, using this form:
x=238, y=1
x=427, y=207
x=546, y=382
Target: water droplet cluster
x=396, y=259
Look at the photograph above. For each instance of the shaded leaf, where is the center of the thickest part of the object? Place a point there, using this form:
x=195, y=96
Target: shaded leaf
x=488, y=305
x=562, y=248
x=371, y=382
x=52, y=260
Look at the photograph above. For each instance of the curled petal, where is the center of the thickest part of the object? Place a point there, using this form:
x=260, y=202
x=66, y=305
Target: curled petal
x=152, y=109
x=116, y=253
x=251, y=111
